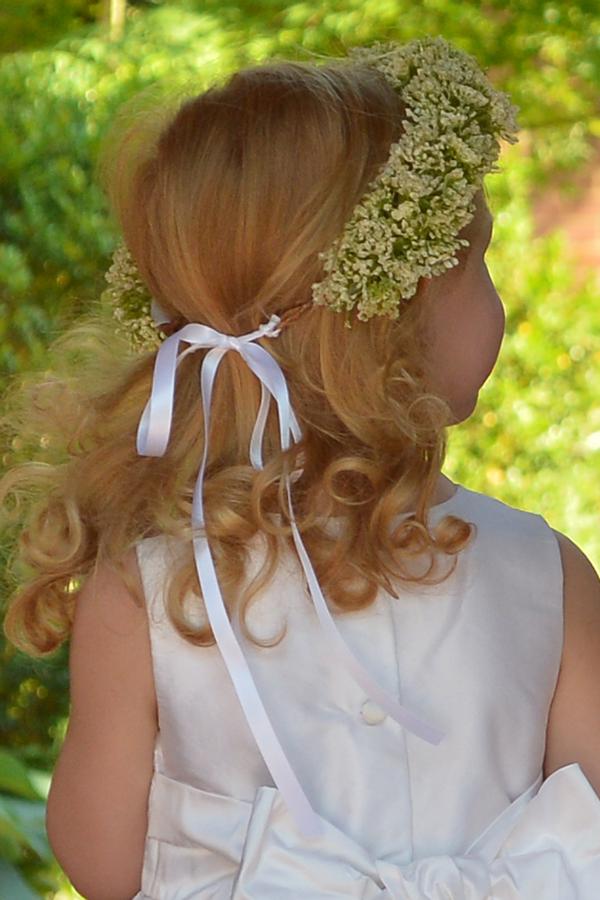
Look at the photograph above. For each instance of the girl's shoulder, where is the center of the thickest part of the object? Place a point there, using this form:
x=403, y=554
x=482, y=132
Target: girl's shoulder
x=492, y=514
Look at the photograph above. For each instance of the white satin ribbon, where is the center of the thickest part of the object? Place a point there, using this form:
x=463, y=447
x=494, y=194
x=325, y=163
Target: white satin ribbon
x=152, y=440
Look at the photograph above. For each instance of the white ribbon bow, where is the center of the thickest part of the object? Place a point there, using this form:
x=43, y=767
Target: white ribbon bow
x=152, y=440
x=545, y=845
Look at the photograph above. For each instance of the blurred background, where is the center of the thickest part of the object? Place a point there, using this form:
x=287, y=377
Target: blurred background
x=534, y=440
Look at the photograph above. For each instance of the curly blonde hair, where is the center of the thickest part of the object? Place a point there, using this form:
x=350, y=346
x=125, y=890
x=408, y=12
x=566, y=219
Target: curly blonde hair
x=225, y=202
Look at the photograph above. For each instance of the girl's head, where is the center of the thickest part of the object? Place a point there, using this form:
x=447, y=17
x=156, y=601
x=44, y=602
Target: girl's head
x=227, y=210
x=225, y=204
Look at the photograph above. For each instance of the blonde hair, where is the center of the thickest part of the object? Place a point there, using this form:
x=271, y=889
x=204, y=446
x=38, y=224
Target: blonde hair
x=225, y=204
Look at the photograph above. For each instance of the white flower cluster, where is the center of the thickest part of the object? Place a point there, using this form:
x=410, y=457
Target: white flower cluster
x=406, y=225
x=130, y=301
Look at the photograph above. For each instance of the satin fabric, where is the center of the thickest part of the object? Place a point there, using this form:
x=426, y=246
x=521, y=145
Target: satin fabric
x=545, y=846
x=478, y=653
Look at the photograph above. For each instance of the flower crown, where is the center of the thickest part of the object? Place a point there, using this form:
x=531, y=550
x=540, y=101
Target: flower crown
x=406, y=225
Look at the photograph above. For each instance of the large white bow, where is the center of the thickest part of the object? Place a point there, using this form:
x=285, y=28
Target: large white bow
x=152, y=440
x=544, y=846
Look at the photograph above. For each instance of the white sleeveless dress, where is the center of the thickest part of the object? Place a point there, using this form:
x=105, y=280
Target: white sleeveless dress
x=468, y=819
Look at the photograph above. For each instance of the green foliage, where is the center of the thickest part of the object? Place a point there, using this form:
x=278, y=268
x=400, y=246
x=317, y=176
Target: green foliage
x=534, y=438
x=55, y=234
x=33, y=717
x=27, y=24
x=545, y=54
x=34, y=697
x=28, y=868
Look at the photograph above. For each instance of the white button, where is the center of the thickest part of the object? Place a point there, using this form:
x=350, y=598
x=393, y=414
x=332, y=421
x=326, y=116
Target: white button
x=371, y=713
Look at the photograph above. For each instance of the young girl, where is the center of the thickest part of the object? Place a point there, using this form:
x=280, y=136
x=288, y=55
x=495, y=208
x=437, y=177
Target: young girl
x=304, y=663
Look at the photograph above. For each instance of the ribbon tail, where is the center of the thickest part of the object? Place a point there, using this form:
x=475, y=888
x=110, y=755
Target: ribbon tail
x=258, y=720
x=268, y=371
x=401, y=714
x=154, y=428
x=259, y=428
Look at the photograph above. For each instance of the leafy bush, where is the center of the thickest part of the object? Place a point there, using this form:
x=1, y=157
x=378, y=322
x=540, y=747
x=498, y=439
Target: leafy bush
x=28, y=868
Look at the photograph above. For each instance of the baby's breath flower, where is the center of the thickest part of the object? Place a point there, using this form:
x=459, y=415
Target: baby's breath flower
x=130, y=302
x=406, y=225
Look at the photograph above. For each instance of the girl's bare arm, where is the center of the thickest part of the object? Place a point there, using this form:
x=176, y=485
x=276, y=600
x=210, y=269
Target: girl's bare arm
x=97, y=806
x=573, y=733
